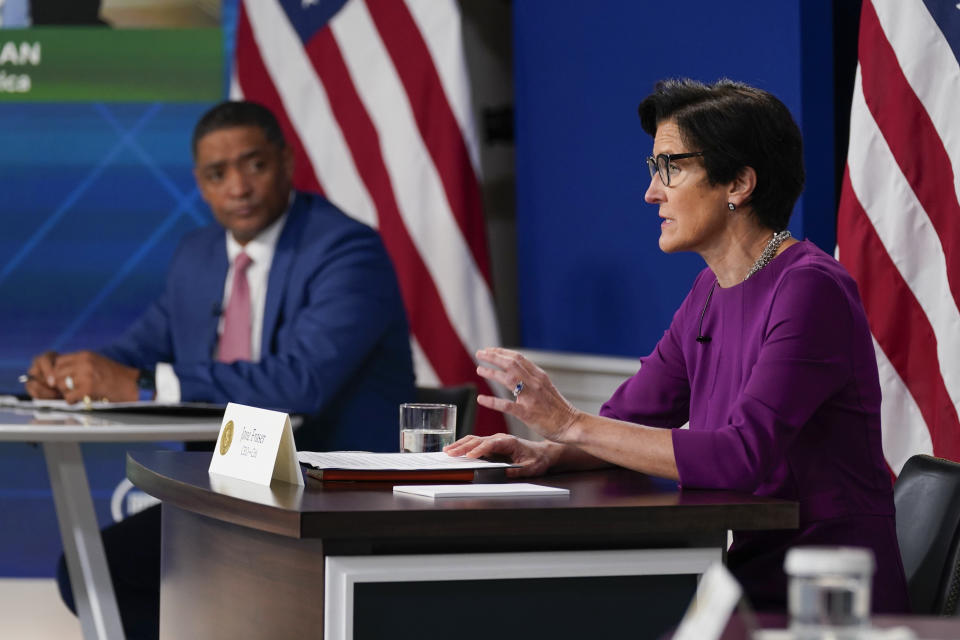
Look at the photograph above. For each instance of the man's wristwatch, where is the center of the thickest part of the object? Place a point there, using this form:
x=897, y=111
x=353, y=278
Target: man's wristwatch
x=147, y=384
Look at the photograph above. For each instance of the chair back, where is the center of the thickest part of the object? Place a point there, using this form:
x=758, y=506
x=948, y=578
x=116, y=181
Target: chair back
x=463, y=396
x=927, y=497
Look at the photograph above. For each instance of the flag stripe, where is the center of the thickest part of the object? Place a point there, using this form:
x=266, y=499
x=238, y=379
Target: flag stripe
x=428, y=319
x=400, y=163
x=305, y=103
x=426, y=376
x=912, y=139
x=417, y=187
x=253, y=79
x=371, y=142
x=435, y=120
x=896, y=319
x=898, y=223
x=930, y=66
x=235, y=91
x=880, y=188
x=907, y=434
x=439, y=25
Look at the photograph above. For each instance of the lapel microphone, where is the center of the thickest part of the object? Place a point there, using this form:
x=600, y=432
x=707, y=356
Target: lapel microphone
x=702, y=339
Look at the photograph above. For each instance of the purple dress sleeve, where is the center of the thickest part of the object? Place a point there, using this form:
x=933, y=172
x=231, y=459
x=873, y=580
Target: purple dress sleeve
x=804, y=358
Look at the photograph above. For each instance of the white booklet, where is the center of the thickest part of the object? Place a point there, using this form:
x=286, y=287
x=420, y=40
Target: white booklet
x=366, y=461
x=505, y=490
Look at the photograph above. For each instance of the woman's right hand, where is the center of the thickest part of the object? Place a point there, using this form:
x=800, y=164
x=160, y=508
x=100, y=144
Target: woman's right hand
x=534, y=458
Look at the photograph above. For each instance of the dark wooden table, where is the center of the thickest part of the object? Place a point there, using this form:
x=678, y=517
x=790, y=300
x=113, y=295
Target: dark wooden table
x=241, y=560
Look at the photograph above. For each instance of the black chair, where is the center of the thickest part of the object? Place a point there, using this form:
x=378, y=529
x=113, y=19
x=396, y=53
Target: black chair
x=927, y=495
x=463, y=396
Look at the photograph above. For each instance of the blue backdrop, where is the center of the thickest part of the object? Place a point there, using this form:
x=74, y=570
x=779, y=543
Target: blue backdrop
x=94, y=198
x=591, y=276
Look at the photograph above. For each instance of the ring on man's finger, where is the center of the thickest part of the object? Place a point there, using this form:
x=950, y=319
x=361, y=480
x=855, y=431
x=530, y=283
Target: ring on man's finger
x=68, y=382
x=518, y=388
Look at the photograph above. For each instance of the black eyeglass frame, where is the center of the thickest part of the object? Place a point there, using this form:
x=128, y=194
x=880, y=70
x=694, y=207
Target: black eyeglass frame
x=654, y=165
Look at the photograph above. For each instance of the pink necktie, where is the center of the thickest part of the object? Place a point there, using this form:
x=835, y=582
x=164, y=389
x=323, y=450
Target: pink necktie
x=235, y=340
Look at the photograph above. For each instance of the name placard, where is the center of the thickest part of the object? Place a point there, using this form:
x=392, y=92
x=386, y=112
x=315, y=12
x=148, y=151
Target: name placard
x=256, y=445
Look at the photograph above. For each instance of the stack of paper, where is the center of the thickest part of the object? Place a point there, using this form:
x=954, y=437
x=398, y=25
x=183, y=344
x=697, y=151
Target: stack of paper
x=506, y=490
x=361, y=465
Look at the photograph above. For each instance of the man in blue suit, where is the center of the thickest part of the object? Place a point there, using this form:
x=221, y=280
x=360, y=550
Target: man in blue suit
x=287, y=304
x=329, y=336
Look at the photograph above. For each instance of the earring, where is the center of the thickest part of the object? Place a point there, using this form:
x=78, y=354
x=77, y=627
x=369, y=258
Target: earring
x=731, y=206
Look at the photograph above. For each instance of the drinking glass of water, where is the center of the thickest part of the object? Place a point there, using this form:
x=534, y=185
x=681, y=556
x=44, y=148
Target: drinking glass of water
x=426, y=427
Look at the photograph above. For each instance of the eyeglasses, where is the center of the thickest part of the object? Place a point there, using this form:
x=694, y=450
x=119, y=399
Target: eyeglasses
x=663, y=164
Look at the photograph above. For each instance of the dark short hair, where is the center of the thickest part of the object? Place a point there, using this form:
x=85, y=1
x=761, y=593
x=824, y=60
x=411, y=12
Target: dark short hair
x=736, y=126
x=238, y=113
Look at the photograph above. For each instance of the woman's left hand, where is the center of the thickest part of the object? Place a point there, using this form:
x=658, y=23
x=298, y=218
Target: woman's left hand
x=538, y=404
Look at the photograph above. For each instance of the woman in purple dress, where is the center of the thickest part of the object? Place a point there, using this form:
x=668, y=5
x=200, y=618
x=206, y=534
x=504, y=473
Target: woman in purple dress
x=769, y=358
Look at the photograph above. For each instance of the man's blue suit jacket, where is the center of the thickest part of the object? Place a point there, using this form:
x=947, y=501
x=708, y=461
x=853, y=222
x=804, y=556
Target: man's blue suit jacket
x=335, y=337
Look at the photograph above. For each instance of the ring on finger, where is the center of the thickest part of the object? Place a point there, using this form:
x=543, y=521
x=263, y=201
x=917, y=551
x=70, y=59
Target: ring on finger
x=68, y=382
x=518, y=388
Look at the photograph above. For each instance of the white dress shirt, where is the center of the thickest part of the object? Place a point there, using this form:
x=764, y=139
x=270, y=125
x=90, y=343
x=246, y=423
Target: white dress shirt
x=261, y=250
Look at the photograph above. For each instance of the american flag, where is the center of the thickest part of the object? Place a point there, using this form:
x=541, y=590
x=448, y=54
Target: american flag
x=898, y=229
x=374, y=99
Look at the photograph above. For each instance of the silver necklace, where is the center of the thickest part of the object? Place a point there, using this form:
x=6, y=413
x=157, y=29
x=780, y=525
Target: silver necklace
x=768, y=253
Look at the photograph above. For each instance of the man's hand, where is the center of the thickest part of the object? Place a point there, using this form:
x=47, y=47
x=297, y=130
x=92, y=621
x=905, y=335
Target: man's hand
x=86, y=373
x=43, y=382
